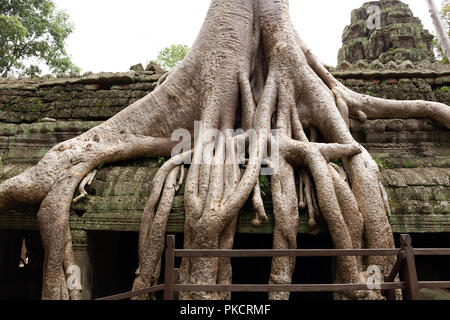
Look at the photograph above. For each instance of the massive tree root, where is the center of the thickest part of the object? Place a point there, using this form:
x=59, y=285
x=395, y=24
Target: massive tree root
x=248, y=69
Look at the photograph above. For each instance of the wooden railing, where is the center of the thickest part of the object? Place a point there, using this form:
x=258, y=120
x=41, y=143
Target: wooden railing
x=404, y=267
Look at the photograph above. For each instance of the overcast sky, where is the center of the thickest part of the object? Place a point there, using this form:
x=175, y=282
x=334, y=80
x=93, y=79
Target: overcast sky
x=112, y=35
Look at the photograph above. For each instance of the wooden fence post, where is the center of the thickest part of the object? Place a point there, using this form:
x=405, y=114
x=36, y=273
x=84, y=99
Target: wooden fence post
x=176, y=275
x=408, y=272
x=169, y=268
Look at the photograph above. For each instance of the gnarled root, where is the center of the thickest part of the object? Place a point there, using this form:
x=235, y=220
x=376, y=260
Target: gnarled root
x=53, y=220
x=311, y=202
x=285, y=204
x=153, y=230
x=153, y=226
x=258, y=205
x=86, y=181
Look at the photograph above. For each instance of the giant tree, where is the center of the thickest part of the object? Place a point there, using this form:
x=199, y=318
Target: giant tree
x=247, y=69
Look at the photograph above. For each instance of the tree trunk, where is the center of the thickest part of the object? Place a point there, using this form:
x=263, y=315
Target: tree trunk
x=442, y=34
x=247, y=69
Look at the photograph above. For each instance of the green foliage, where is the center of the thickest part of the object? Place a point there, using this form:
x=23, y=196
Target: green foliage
x=443, y=89
x=440, y=52
x=409, y=165
x=379, y=162
x=264, y=185
x=33, y=33
x=171, y=57
x=161, y=161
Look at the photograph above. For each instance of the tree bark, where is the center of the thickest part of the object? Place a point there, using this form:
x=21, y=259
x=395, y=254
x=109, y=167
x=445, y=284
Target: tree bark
x=442, y=34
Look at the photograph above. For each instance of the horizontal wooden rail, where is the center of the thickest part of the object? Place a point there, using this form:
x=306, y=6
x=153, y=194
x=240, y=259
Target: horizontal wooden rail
x=404, y=267
x=283, y=287
x=285, y=253
x=434, y=284
x=431, y=252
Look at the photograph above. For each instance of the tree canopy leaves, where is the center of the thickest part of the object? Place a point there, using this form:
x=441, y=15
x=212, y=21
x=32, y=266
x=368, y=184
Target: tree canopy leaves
x=33, y=33
x=171, y=57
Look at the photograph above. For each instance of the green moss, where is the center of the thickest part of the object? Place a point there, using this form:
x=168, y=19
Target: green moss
x=8, y=105
x=161, y=161
x=409, y=165
x=172, y=97
x=37, y=105
x=444, y=89
x=404, y=81
x=265, y=186
x=379, y=163
x=101, y=104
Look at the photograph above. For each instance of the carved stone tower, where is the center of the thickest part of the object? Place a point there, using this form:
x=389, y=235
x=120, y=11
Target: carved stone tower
x=384, y=31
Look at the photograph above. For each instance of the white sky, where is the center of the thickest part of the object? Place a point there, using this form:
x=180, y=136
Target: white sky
x=112, y=35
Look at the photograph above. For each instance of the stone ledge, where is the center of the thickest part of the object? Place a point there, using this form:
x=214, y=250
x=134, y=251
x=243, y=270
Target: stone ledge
x=384, y=74
x=130, y=77
x=130, y=222
x=419, y=199
x=99, y=78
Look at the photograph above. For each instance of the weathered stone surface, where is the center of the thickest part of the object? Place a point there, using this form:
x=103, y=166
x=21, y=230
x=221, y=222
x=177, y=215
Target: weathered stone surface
x=137, y=68
x=153, y=66
x=400, y=37
x=92, y=97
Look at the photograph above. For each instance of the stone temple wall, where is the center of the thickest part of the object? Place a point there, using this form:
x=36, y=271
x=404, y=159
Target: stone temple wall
x=37, y=114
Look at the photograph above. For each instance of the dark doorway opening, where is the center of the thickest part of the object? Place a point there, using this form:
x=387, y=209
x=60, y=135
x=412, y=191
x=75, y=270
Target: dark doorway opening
x=114, y=258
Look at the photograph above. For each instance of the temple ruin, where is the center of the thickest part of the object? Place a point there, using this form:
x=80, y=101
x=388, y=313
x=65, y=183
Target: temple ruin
x=394, y=62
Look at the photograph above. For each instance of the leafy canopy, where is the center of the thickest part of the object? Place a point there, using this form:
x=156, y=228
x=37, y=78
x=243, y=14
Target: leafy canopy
x=32, y=33
x=171, y=57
